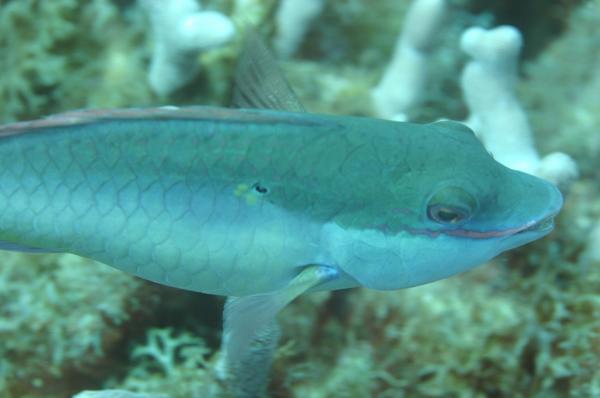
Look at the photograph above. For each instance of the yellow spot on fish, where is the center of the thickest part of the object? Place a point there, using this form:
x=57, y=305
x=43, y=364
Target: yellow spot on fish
x=245, y=191
x=241, y=189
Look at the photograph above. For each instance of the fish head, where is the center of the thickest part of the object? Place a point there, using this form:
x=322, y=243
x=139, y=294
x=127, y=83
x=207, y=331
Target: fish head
x=448, y=207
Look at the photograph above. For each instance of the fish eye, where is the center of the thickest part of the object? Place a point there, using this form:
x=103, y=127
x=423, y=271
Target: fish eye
x=451, y=206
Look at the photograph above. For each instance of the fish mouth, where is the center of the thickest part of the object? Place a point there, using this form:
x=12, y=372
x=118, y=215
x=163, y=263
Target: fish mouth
x=540, y=227
x=544, y=225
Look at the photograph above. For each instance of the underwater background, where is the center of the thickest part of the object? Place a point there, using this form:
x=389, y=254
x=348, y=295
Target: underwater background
x=525, y=325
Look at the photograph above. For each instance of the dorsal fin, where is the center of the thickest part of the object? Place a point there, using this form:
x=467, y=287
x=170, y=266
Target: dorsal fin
x=259, y=82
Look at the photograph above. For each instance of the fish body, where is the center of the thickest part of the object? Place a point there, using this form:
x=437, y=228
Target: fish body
x=165, y=196
x=236, y=202
x=262, y=205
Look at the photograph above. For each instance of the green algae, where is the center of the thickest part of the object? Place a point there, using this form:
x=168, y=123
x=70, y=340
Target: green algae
x=58, y=55
x=52, y=328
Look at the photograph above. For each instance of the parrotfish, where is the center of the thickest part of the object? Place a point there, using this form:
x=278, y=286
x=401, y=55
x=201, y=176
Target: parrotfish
x=262, y=205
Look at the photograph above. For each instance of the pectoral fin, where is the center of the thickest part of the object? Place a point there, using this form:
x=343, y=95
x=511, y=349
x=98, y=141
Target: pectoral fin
x=244, y=317
x=251, y=332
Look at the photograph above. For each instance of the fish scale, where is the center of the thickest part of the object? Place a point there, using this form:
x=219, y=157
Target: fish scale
x=170, y=191
x=174, y=181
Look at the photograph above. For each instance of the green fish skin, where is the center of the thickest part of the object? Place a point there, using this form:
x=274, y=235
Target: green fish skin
x=208, y=199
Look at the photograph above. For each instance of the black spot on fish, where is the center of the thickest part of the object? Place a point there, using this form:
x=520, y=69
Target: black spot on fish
x=260, y=189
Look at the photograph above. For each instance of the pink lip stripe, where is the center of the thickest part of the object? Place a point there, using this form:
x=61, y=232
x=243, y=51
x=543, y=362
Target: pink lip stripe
x=471, y=234
x=489, y=234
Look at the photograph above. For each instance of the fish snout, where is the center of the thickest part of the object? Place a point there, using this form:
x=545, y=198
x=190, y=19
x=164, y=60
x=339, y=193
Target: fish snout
x=550, y=201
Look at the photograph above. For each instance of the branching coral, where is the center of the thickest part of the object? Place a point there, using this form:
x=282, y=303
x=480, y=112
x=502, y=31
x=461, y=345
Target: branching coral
x=180, y=361
x=403, y=83
x=293, y=19
x=165, y=350
x=181, y=31
x=565, y=79
x=488, y=82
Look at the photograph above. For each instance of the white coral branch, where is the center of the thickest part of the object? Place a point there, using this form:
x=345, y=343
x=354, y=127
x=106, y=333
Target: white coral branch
x=403, y=83
x=181, y=30
x=293, y=19
x=497, y=116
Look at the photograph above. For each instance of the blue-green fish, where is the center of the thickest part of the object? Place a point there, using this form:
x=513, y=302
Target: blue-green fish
x=261, y=205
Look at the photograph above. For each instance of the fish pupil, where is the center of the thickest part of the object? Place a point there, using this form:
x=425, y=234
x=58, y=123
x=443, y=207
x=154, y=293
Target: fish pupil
x=445, y=215
x=261, y=189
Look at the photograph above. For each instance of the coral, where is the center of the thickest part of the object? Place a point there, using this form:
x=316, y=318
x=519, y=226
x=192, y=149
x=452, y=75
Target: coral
x=46, y=60
x=49, y=333
x=497, y=116
x=540, y=21
x=403, y=83
x=353, y=32
x=410, y=342
x=162, y=348
x=293, y=19
x=180, y=32
x=179, y=361
x=487, y=82
x=561, y=86
x=352, y=375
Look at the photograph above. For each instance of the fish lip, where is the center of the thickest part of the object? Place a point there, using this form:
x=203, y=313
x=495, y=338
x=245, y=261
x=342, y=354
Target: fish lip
x=540, y=227
x=544, y=225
